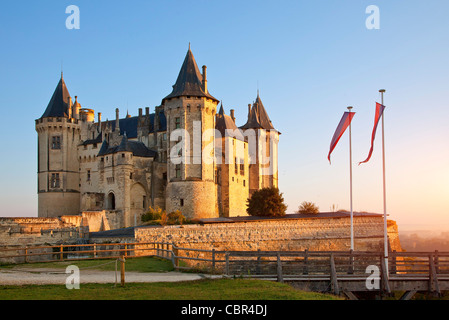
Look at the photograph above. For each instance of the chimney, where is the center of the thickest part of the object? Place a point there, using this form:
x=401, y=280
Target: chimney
x=232, y=115
x=147, y=111
x=117, y=125
x=99, y=122
x=69, y=107
x=205, y=79
x=140, y=112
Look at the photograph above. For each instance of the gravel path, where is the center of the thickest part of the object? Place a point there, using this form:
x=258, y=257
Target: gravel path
x=23, y=276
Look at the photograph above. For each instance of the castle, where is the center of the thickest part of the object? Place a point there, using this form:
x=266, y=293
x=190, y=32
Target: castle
x=188, y=155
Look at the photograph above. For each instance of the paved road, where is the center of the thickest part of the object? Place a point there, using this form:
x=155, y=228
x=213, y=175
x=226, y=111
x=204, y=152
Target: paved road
x=22, y=276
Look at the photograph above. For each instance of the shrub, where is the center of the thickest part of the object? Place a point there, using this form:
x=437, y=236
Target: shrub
x=308, y=207
x=176, y=217
x=266, y=202
x=152, y=214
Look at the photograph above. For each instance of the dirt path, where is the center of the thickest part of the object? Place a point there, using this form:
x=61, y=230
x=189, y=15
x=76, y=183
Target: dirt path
x=23, y=276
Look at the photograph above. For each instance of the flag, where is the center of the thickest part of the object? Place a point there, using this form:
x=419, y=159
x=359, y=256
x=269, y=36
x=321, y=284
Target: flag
x=379, y=111
x=344, y=123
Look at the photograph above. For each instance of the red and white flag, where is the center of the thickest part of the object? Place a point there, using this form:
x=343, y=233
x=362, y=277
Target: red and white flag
x=344, y=123
x=379, y=111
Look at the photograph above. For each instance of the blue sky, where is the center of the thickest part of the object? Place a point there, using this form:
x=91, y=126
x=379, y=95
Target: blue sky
x=309, y=59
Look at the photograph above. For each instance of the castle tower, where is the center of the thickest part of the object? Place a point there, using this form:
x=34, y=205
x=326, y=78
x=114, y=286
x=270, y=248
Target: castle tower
x=190, y=112
x=263, y=167
x=58, y=166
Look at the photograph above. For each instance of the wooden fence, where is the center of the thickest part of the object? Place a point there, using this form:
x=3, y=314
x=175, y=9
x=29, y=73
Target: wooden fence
x=277, y=265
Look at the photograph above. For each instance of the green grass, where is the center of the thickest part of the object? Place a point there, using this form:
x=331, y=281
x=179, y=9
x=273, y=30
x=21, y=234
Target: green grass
x=221, y=289
x=142, y=264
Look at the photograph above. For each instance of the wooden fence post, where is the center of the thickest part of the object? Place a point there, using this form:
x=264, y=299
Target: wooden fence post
x=61, y=250
x=122, y=270
x=334, y=281
x=227, y=263
x=176, y=253
x=437, y=262
x=394, y=262
x=351, y=262
x=213, y=260
x=279, y=268
x=384, y=276
x=433, y=279
x=306, y=261
x=258, y=262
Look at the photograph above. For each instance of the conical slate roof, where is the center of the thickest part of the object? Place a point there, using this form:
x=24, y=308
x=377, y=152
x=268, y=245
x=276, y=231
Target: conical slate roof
x=58, y=105
x=189, y=82
x=225, y=122
x=258, y=117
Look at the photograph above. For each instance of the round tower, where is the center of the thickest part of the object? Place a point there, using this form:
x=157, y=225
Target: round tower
x=190, y=111
x=58, y=166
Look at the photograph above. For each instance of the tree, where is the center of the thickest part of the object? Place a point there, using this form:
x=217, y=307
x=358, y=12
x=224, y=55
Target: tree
x=308, y=207
x=266, y=202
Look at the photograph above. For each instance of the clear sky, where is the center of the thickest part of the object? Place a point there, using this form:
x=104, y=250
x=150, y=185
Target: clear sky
x=309, y=59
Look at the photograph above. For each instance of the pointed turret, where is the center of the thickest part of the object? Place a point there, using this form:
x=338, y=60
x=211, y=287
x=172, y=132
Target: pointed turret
x=58, y=105
x=190, y=81
x=225, y=122
x=258, y=117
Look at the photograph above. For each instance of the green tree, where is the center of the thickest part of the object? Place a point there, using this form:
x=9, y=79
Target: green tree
x=266, y=202
x=308, y=207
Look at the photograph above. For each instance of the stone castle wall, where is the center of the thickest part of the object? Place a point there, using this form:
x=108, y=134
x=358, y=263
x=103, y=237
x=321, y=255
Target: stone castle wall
x=315, y=234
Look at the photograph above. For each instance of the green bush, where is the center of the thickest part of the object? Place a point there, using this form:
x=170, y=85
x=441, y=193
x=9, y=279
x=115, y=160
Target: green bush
x=266, y=202
x=176, y=217
x=308, y=207
x=152, y=214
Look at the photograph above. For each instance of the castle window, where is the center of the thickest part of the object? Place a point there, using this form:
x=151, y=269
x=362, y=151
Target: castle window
x=177, y=122
x=178, y=171
x=88, y=175
x=182, y=202
x=123, y=155
x=236, y=166
x=242, y=167
x=144, y=202
x=55, y=183
x=56, y=142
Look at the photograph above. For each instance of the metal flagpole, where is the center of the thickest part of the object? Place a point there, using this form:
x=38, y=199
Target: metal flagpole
x=382, y=91
x=350, y=180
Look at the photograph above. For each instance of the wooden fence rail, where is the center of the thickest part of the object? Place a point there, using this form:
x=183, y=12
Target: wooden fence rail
x=279, y=265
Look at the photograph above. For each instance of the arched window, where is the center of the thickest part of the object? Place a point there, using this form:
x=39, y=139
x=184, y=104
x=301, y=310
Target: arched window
x=111, y=201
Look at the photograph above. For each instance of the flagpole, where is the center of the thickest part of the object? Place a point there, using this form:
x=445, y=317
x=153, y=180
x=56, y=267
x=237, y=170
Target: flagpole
x=382, y=91
x=350, y=181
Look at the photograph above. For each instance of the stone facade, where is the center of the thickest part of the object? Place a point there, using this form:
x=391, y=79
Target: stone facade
x=164, y=159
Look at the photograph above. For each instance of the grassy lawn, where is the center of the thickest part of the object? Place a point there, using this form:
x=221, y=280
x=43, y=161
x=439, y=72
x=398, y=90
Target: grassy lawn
x=221, y=289
x=142, y=264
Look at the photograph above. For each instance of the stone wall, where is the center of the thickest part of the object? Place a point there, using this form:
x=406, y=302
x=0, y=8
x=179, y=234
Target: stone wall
x=315, y=234
x=37, y=231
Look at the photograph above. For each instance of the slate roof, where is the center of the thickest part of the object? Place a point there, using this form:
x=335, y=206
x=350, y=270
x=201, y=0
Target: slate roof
x=136, y=147
x=58, y=105
x=258, y=117
x=189, y=81
x=225, y=122
x=129, y=125
x=92, y=141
